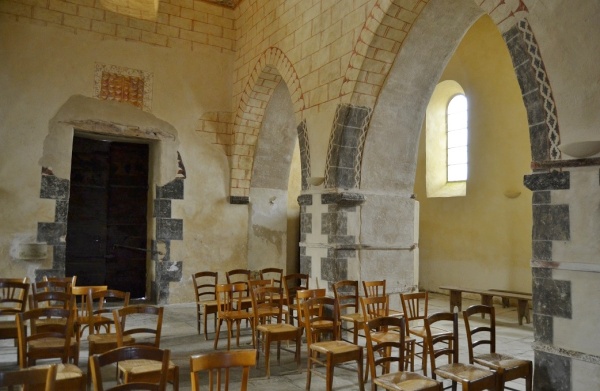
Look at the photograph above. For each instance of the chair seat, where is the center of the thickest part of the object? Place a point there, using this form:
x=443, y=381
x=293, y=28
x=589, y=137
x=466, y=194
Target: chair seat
x=498, y=360
x=67, y=372
x=208, y=303
x=419, y=331
x=462, y=372
x=335, y=347
x=140, y=367
x=405, y=381
x=389, y=336
x=353, y=317
x=105, y=339
x=49, y=343
x=277, y=328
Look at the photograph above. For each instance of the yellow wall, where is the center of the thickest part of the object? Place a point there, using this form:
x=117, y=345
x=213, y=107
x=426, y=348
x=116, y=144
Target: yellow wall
x=482, y=240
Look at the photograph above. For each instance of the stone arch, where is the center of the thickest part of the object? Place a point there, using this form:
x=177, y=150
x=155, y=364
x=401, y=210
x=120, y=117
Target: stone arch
x=117, y=121
x=271, y=67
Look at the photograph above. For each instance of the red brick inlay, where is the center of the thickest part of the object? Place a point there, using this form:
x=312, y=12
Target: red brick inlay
x=122, y=88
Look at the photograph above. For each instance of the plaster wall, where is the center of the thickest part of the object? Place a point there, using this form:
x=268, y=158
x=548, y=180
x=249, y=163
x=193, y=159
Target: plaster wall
x=481, y=240
x=57, y=65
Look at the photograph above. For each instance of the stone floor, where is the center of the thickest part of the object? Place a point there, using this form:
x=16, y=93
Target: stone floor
x=179, y=334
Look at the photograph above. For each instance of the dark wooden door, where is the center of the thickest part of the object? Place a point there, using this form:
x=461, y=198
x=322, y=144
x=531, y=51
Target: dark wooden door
x=106, y=225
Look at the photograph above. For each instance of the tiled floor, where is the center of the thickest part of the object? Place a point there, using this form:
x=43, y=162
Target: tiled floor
x=180, y=335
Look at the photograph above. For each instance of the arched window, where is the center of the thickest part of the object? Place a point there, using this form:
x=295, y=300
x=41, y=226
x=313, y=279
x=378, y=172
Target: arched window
x=457, y=138
x=446, y=142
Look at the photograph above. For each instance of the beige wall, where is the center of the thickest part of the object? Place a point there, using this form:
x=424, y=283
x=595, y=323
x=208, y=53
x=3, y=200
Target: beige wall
x=481, y=240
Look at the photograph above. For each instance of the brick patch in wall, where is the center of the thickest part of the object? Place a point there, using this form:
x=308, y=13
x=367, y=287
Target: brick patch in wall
x=551, y=222
x=555, y=180
x=334, y=269
x=239, y=200
x=172, y=190
x=552, y=372
x=54, y=188
x=51, y=233
x=162, y=208
x=543, y=326
x=552, y=297
x=133, y=86
x=304, y=153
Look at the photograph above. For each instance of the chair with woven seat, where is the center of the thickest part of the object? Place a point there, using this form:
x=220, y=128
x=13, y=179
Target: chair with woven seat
x=71, y=280
x=377, y=288
x=327, y=353
x=380, y=354
x=378, y=306
x=55, y=286
x=42, y=376
x=267, y=306
x=415, y=307
x=13, y=300
x=217, y=363
x=143, y=323
x=230, y=299
x=293, y=283
x=346, y=293
x=158, y=357
x=206, y=301
x=54, y=340
x=272, y=273
x=241, y=276
x=471, y=377
x=102, y=337
x=508, y=367
x=301, y=297
x=80, y=293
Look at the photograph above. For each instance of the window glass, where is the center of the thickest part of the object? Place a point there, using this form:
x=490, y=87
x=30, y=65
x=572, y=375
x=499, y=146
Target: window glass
x=457, y=139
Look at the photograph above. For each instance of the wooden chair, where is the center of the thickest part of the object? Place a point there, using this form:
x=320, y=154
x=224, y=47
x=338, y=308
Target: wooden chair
x=380, y=353
x=415, y=312
x=292, y=283
x=206, y=300
x=80, y=293
x=72, y=280
x=346, y=294
x=508, y=367
x=146, y=331
x=215, y=363
x=55, y=286
x=301, y=297
x=377, y=307
x=267, y=306
x=54, y=340
x=445, y=345
x=230, y=299
x=158, y=357
x=13, y=300
x=377, y=288
x=241, y=275
x=333, y=351
x=100, y=338
x=272, y=273
x=43, y=377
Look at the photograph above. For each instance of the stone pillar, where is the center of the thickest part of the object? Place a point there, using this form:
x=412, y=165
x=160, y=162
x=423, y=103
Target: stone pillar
x=566, y=278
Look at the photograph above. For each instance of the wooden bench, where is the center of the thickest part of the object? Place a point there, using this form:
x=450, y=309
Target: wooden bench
x=487, y=296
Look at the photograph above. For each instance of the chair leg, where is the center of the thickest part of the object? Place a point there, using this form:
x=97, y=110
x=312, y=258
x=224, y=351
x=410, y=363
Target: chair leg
x=217, y=333
x=267, y=346
x=309, y=371
x=329, y=380
x=359, y=365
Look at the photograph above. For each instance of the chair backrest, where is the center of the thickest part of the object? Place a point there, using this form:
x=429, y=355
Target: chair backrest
x=28, y=331
x=267, y=303
x=45, y=286
x=72, y=280
x=103, y=302
x=256, y=283
x=239, y=275
x=445, y=343
x=130, y=353
x=301, y=297
x=204, y=285
x=486, y=334
x=217, y=363
x=346, y=294
x=81, y=297
x=319, y=322
x=229, y=297
x=374, y=288
x=414, y=305
x=52, y=299
x=13, y=296
x=382, y=354
x=293, y=283
x=375, y=307
x=272, y=273
x=142, y=322
x=43, y=375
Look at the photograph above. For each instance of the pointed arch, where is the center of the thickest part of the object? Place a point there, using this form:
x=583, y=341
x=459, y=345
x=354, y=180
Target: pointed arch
x=271, y=67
